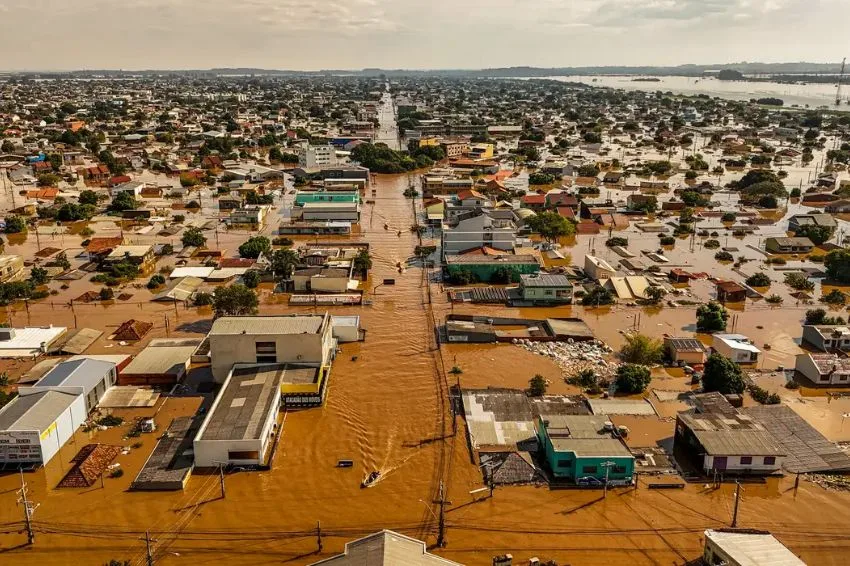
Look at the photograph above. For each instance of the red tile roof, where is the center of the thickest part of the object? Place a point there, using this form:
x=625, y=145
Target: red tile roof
x=534, y=199
x=566, y=212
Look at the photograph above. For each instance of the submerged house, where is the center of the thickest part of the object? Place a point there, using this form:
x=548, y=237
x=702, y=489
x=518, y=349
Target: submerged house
x=583, y=448
x=545, y=288
x=719, y=438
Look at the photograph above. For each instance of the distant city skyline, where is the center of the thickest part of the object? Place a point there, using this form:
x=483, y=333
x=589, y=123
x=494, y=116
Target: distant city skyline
x=442, y=34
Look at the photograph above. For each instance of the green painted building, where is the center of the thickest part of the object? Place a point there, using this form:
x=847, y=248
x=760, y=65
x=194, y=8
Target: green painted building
x=483, y=267
x=303, y=197
x=579, y=447
x=545, y=288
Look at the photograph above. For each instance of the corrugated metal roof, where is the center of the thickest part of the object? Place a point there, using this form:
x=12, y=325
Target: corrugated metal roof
x=244, y=403
x=35, y=411
x=296, y=324
x=732, y=435
x=386, y=548
x=753, y=549
x=179, y=289
x=162, y=357
x=85, y=373
x=545, y=280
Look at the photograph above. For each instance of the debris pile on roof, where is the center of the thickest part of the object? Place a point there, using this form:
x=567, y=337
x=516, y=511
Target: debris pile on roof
x=89, y=464
x=132, y=330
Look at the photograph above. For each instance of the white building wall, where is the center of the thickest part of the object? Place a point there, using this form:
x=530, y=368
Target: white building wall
x=309, y=349
x=320, y=284
x=733, y=463
x=731, y=352
x=211, y=453
x=62, y=429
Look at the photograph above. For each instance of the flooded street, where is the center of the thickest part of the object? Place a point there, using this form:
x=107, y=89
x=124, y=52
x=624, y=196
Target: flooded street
x=387, y=409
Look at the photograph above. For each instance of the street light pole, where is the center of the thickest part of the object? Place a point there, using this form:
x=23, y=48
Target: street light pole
x=607, y=465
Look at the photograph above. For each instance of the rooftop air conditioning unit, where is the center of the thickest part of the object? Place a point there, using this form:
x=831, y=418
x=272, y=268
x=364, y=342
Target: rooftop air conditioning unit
x=6, y=334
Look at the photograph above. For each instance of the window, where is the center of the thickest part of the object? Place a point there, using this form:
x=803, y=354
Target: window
x=746, y=460
x=243, y=455
x=266, y=352
x=769, y=460
x=588, y=470
x=564, y=464
x=616, y=469
x=548, y=292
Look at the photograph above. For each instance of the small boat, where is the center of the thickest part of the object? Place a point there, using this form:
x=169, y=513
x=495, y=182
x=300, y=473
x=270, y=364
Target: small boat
x=370, y=481
x=345, y=463
x=386, y=226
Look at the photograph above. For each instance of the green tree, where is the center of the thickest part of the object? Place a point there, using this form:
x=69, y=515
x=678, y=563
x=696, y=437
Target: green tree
x=48, y=180
x=254, y=246
x=836, y=262
x=283, y=262
x=590, y=170
x=70, y=212
x=711, y=317
x=550, y=225
x=540, y=178
x=598, y=296
x=758, y=280
x=236, y=300
x=39, y=276
x=799, y=282
x=156, y=281
x=61, y=260
x=647, y=205
x=641, y=349
x=202, y=299
x=362, y=262
x=88, y=197
x=722, y=375
x=834, y=297
x=251, y=279
x=633, y=378
x=106, y=294
x=537, y=386
x=654, y=295
x=817, y=234
x=187, y=180
x=193, y=237
x=15, y=225
x=122, y=201
x=275, y=154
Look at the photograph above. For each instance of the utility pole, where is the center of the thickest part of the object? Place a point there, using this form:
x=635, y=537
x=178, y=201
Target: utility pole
x=607, y=466
x=148, y=549
x=441, y=533
x=737, y=500
x=319, y=536
x=221, y=478
x=29, y=508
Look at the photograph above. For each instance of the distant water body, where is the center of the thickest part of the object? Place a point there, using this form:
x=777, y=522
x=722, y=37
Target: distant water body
x=812, y=95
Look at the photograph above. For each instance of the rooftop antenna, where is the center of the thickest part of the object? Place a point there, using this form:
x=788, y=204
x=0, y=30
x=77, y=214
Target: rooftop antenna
x=840, y=78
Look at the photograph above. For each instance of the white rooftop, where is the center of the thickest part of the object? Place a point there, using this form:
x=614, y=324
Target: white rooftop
x=749, y=549
x=738, y=342
x=28, y=341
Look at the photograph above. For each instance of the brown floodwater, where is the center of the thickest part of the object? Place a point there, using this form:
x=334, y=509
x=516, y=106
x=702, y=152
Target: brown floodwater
x=387, y=410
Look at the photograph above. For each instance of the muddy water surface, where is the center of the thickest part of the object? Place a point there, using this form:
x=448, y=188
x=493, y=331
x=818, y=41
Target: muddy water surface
x=387, y=410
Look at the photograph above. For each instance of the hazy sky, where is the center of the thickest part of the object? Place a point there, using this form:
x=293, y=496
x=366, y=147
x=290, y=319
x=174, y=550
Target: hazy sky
x=352, y=34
